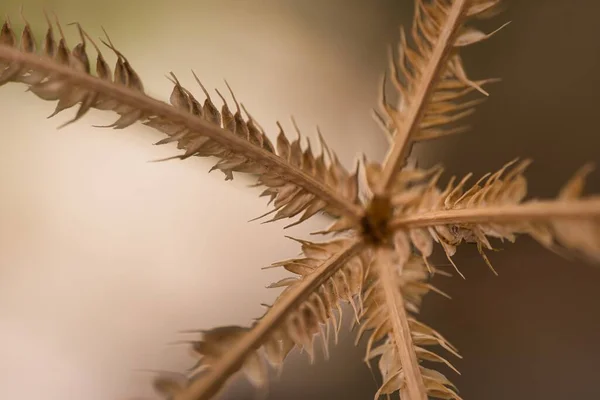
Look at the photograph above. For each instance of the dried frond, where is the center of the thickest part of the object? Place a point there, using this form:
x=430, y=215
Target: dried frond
x=329, y=273
x=494, y=207
x=381, y=267
x=288, y=198
x=430, y=79
x=397, y=284
x=298, y=181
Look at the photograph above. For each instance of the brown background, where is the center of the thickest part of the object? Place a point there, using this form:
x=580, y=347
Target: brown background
x=104, y=257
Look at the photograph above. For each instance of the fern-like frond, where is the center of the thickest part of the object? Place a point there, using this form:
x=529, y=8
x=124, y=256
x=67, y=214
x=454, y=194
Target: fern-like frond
x=494, y=207
x=296, y=180
x=430, y=79
x=329, y=273
x=397, y=282
x=381, y=268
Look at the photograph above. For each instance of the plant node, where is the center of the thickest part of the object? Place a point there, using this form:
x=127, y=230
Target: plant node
x=375, y=223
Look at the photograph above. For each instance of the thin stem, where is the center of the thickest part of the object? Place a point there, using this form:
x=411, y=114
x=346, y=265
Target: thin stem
x=402, y=338
x=158, y=108
x=409, y=126
x=207, y=386
x=530, y=211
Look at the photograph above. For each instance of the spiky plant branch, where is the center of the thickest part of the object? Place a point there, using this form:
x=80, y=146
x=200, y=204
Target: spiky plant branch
x=435, y=30
x=390, y=265
x=144, y=105
x=534, y=210
x=381, y=267
x=408, y=125
x=208, y=385
x=494, y=207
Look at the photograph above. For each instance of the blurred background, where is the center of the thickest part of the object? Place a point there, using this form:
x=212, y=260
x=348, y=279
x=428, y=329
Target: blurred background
x=104, y=256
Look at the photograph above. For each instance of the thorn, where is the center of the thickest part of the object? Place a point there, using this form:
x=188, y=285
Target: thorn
x=81, y=34
x=221, y=96
x=110, y=43
x=91, y=40
x=60, y=30
x=485, y=258
x=427, y=265
x=294, y=223
x=237, y=105
x=22, y=14
x=264, y=215
x=165, y=159
x=172, y=78
x=296, y=128
x=201, y=85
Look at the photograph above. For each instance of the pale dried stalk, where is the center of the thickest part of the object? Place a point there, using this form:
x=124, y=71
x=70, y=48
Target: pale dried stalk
x=584, y=209
x=410, y=125
x=207, y=386
x=148, y=104
x=493, y=207
x=415, y=388
x=427, y=206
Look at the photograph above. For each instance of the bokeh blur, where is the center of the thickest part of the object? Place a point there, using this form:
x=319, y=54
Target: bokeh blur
x=105, y=257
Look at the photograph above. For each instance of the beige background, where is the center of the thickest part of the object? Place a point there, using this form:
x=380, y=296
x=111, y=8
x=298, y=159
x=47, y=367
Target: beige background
x=104, y=256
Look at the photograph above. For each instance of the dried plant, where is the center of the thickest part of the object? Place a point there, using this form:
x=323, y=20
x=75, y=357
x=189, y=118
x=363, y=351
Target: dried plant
x=387, y=215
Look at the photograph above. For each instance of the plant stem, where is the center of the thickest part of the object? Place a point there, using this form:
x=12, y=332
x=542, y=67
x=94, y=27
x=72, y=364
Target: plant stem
x=207, y=386
x=409, y=126
x=402, y=338
x=530, y=211
x=151, y=106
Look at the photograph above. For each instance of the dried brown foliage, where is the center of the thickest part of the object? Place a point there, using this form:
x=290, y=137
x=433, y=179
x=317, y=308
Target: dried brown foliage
x=379, y=264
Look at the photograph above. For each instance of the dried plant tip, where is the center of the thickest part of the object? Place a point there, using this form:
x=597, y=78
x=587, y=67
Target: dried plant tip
x=434, y=81
x=301, y=185
x=293, y=319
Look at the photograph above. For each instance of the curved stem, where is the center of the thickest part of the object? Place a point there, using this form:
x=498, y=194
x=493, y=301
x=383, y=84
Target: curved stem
x=530, y=211
x=155, y=107
x=401, y=335
x=207, y=386
x=409, y=126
